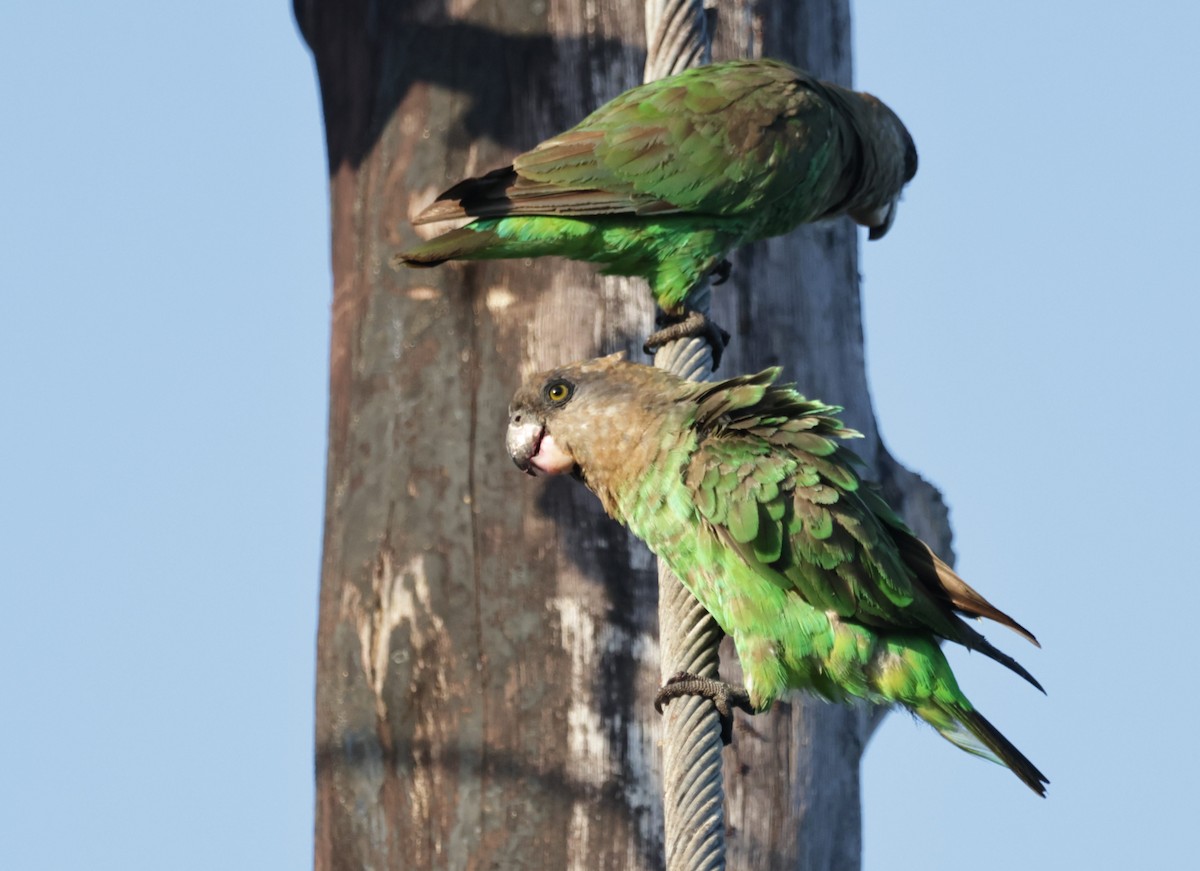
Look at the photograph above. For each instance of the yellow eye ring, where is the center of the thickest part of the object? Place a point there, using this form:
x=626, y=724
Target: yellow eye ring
x=559, y=391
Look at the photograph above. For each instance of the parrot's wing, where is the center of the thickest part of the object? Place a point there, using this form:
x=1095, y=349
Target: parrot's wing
x=921, y=559
x=769, y=475
x=723, y=141
x=781, y=492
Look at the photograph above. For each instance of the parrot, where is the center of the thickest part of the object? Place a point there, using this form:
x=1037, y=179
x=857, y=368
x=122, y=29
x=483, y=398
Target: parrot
x=665, y=179
x=745, y=490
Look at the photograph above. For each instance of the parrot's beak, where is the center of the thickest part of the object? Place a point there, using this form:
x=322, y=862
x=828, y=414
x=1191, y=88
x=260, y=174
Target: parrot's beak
x=524, y=440
x=879, y=230
x=877, y=221
x=533, y=449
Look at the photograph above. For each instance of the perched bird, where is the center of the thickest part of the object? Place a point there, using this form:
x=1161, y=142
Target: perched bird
x=744, y=490
x=665, y=179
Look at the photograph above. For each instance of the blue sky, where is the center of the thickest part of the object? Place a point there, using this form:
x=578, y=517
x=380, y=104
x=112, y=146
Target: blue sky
x=163, y=342
x=1031, y=347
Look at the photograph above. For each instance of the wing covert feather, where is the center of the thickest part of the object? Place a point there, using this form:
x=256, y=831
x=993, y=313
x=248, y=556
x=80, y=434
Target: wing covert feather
x=724, y=145
x=770, y=476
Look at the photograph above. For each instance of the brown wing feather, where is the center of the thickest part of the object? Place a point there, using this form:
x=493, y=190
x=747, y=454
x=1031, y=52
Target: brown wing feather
x=515, y=190
x=940, y=578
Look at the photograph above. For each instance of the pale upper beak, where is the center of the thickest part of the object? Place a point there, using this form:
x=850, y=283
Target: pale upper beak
x=523, y=440
x=878, y=221
x=533, y=449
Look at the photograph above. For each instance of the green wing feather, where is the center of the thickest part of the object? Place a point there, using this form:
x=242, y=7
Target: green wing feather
x=723, y=141
x=773, y=480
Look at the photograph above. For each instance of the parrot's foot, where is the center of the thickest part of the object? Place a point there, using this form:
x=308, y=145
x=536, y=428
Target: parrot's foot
x=721, y=694
x=721, y=272
x=692, y=324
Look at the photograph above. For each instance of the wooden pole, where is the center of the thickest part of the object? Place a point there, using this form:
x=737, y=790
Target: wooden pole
x=487, y=654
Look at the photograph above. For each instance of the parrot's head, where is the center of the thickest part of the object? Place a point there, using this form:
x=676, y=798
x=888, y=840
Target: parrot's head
x=581, y=415
x=894, y=161
x=531, y=444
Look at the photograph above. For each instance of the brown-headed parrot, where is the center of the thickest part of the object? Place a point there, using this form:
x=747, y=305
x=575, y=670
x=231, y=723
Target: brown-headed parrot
x=665, y=179
x=744, y=489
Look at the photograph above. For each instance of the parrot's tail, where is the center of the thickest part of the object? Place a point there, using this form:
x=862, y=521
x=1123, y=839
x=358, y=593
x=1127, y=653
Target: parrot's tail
x=968, y=729
x=464, y=243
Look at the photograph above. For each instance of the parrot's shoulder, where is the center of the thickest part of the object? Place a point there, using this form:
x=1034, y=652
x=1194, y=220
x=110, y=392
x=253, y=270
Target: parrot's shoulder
x=753, y=405
x=756, y=445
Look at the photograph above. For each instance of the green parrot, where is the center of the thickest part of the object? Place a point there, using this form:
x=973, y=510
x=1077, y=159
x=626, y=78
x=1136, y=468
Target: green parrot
x=744, y=490
x=665, y=179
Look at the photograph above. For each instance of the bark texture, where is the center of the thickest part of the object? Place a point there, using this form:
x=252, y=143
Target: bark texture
x=487, y=653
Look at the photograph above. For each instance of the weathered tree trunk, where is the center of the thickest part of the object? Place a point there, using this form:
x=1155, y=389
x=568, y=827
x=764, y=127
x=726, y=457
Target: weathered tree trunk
x=487, y=649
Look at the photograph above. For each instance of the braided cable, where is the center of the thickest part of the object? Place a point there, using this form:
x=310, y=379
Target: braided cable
x=693, y=788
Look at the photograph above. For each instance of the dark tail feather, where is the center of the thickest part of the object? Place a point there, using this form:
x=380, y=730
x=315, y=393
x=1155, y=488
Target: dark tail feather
x=972, y=640
x=461, y=244
x=1004, y=750
x=970, y=731
x=485, y=195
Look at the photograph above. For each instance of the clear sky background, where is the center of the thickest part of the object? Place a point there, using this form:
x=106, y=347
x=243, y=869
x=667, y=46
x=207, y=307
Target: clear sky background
x=164, y=315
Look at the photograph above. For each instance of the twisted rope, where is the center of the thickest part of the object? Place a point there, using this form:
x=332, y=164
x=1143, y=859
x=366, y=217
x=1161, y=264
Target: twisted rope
x=693, y=789
x=678, y=37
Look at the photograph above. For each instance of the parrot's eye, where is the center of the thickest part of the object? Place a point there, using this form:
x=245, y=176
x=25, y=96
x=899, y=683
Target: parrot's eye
x=559, y=391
